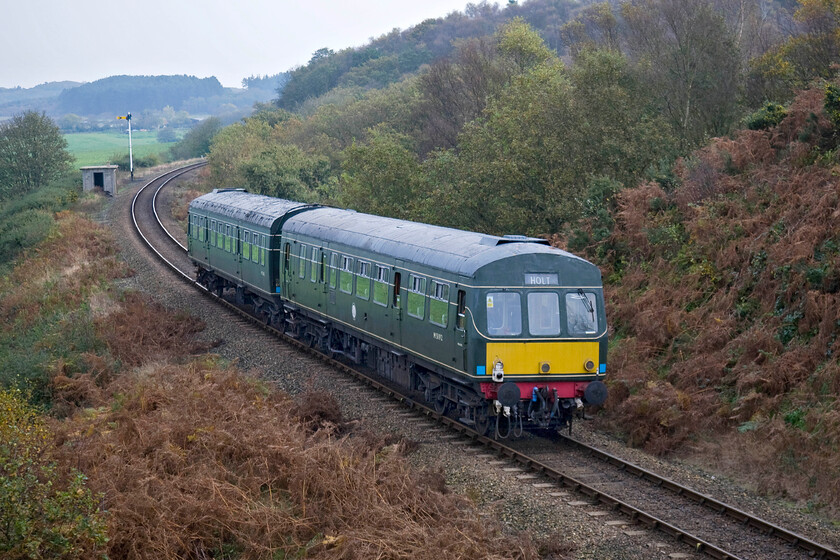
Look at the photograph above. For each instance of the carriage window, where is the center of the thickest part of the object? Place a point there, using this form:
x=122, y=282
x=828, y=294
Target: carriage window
x=246, y=246
x=543, y=313
x=287, y=257
x=263, y=243
x=363, y=281
x=416, y=301
x=323, y=268
x=439, y=303
x=302, y=262
x=228, y=244
x=333, y=269
x=504, y=314
x=581, y=317
x=346, y=281
x=380, y=286
x=213, y=232
x=313, y=269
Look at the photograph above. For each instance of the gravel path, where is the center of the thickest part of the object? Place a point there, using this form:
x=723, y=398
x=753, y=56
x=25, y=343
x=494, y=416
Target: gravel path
x=498, y=493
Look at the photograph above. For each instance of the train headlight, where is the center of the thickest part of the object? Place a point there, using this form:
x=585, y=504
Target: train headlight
x=589, y=365
x=498, y=371
x=545, y=367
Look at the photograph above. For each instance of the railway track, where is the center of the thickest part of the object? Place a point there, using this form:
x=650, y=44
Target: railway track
x=608, y=486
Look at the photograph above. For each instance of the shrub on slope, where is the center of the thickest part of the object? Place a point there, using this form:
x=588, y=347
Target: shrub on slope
x=725, y=294
x=202, y=461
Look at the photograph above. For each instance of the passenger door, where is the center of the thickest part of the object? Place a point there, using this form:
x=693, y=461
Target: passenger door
x=396, y=303
x=287, y=269
x=460, y=350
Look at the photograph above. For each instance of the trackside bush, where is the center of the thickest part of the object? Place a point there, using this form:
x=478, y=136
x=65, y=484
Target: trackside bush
x=767, y=117
x=43, y=513
x=122, y=160
x=28, y=220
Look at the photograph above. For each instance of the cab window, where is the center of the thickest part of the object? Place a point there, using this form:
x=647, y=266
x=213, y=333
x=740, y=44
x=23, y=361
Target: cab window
x=543, y=314
x=504, y=314
x=581, y=317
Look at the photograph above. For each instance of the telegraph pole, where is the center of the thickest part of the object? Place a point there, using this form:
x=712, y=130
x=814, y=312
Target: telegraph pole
x=130, y=154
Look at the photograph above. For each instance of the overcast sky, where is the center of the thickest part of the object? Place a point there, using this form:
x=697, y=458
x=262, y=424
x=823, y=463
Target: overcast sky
x=85, y=40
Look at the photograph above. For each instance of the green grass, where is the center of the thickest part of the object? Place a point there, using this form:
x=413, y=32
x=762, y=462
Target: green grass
x=99, y=148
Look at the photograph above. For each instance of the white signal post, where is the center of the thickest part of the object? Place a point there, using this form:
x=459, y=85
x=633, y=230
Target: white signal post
x=130, y=154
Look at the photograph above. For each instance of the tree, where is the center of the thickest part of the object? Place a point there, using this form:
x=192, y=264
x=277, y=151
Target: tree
x=381, y=177
x=196, y=142
x=689, y=57
x=595, y=26
x=167, y=135
x=234, y=146
x=284, y=171
x=529, y=165
x=32, y=153
x=812, y=51
x=44, y=513
x=455, y=91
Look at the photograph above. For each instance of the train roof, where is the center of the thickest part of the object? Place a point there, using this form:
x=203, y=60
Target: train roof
x=447, y=249
x=257, y=209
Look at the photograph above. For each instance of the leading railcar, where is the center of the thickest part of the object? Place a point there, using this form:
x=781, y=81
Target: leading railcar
x=505, y=332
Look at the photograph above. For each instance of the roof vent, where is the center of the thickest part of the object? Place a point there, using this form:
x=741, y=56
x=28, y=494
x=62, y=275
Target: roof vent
x=217, y=191
x=522, y=239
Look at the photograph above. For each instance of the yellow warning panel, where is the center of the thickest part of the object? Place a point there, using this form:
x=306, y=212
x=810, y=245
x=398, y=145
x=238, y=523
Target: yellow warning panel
x=530, y=358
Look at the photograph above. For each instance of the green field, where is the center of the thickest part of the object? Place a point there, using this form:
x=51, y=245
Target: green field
x=99, y=148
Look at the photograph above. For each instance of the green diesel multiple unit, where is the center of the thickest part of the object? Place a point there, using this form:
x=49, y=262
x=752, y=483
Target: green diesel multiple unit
x=503, y=330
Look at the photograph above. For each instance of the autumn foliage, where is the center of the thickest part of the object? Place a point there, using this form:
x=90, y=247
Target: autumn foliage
x=201, y=461
x=725, y=296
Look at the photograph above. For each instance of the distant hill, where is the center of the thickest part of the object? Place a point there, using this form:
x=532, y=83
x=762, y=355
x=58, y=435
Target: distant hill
x=94, y=104
x=42, y=97
x=118, y=94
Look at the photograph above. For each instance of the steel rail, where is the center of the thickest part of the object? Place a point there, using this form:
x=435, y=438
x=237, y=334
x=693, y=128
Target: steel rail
x=815, y=549
x=173, y=174
x=648, y=520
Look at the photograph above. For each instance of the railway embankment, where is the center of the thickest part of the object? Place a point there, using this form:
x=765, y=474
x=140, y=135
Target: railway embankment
x=724, y=292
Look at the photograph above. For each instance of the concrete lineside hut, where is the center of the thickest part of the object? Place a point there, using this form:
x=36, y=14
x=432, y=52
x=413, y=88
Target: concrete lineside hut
x=102, y=176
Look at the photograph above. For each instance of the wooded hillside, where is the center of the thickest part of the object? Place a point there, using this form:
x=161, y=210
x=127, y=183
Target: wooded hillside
x=118, y=94
x=686, y=147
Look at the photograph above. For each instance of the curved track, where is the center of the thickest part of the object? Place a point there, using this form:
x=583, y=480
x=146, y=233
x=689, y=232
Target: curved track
x=602, y=481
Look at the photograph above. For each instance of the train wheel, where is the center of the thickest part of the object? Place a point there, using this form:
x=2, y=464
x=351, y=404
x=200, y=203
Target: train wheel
x=483, y=421
x=442, y=405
